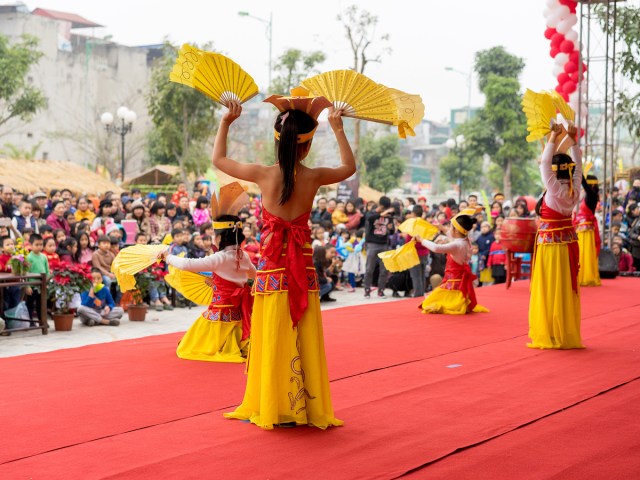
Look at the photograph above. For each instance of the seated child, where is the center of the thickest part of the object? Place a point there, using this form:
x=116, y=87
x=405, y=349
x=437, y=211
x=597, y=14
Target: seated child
x=98, y=307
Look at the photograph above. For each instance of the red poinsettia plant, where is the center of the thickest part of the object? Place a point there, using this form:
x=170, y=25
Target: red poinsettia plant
x=148, y=278
x=66, y=280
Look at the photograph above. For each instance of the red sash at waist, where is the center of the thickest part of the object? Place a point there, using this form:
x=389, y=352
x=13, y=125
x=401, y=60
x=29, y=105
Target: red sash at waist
x=237, y=299
x=282, y=245
x=555, y=228
x=459, y=277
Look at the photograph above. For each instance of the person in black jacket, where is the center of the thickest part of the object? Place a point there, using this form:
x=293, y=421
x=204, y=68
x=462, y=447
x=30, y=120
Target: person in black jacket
x=321, y=216
x=378, y=227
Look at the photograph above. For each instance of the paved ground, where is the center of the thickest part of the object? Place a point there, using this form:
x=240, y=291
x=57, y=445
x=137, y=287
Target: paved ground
x=157, y=323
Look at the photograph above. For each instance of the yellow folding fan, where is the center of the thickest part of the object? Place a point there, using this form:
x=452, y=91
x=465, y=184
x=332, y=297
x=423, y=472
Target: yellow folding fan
x=194, y=286
x=132, y=260
x=540, y=111
x=419, y=227
x=216, y=76
x=359, y=96
x=562, y=107
x=410, y=111
x=402, y=258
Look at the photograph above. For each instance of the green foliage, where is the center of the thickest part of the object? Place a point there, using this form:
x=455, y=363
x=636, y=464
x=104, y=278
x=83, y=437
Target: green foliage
x=499, y=130
x=456, y=166
x=293, y=66
x=18, y=99
x=496, y=61
x=182, y=117
x=383, y=167
x=627, y=63
x=525, y=179
x=12, y=151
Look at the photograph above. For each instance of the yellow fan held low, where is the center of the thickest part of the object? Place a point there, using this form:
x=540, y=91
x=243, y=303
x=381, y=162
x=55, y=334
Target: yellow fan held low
x=401, y=259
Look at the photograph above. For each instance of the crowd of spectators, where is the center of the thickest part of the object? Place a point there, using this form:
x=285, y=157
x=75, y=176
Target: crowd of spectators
x=347, y=236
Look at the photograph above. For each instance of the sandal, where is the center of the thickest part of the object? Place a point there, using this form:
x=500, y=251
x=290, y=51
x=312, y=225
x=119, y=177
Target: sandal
x=114, y=323
x=158, y=307
x=167, y=306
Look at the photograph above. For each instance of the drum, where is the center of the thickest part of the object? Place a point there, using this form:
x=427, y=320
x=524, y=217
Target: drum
x=519, y=234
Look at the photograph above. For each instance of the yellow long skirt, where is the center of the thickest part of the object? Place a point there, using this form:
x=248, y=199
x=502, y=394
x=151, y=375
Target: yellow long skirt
x=554, y=307
x=588, y=276
x=287, y=378
x=213, y=341
x=448, y=302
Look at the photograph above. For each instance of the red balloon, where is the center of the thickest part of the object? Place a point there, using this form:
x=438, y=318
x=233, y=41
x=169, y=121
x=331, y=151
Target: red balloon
x=566, y=46
x=584, y=67
x=557, y=39
x=563, y=78
x=554, y=51
x=575, y=76
x=570, y=67
x=569, y=87
x=559, y=89
x=549, y=32
x=565, y=96
x=574, y=56
x=582, y=132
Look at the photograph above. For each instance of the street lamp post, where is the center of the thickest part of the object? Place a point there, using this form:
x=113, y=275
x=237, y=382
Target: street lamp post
x=269, y=24
x=469, y=77
x=457, y=145
x=127, y=117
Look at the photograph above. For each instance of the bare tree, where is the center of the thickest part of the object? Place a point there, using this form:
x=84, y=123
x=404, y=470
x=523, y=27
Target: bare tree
x=366, y=45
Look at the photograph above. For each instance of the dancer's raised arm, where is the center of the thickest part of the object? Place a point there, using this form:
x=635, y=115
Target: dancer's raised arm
x=327, y=176
x=249, y=172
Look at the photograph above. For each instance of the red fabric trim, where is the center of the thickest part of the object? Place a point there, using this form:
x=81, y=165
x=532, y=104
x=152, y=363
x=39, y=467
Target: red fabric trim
x=586, y=220
x=226, y=292
x=460, y=277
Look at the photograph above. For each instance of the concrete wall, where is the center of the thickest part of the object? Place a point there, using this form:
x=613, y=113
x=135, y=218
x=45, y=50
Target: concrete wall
x=80, y=85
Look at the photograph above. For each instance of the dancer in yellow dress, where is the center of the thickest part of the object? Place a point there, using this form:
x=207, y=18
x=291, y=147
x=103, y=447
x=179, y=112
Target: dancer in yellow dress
x=588, y=234
x=554, y=307
x=220, y=333
x=287, y=380
x=455, y=295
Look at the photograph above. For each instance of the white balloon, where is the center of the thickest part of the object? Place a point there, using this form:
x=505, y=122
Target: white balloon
x=557, y=69
x=561, y=59
x=563, y=12
x=553, y=20
x=563, y=27
x=552, y=3
x=572, y=19
x=546, y=12
x=572, y=36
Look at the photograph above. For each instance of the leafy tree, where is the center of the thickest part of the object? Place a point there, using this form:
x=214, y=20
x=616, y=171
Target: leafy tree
x=499, y=130
x=18, y=99
x=525, y=180
x=465, y=163
x=12, y=151
x=182, y=117
x=383, y=167
x=627, y=30
x=293, y=66
x=366, y=46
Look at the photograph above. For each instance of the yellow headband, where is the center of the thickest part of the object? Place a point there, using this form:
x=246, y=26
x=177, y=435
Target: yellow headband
x=226, y=225
x=593, y=181
x=566, y=166
x=459, y=227
x=469, y=212
x=302, y=138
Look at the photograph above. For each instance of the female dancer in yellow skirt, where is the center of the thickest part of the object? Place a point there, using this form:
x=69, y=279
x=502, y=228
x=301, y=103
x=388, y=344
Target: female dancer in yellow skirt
x=588, y=234
x=455, y=295
x=287, y=374
x=554, y=307
x=221, y=333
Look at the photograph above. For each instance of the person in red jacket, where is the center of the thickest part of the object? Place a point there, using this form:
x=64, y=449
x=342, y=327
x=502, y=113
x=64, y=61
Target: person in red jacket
x=625, y=260
x=497, y=260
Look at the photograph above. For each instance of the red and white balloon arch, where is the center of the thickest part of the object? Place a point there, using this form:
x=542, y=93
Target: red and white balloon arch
x=561, y=20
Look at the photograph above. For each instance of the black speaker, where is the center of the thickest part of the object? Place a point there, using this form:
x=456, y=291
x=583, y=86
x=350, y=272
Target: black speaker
x=607, y=264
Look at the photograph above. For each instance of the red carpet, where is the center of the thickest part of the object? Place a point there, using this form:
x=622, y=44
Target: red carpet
x=412, y=389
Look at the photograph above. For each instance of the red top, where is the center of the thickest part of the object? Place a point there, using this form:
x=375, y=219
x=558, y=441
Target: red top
x=586, y=220
x=4, y=262
x=282, y=245
x=497, y=255
x=555, y=228
x=460, y=277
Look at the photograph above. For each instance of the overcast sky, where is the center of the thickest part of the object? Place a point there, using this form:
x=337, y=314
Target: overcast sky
x=425, y=36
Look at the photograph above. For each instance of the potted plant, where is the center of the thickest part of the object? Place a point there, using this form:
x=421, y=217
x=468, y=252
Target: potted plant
x=137, y=309
x=67, y=280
